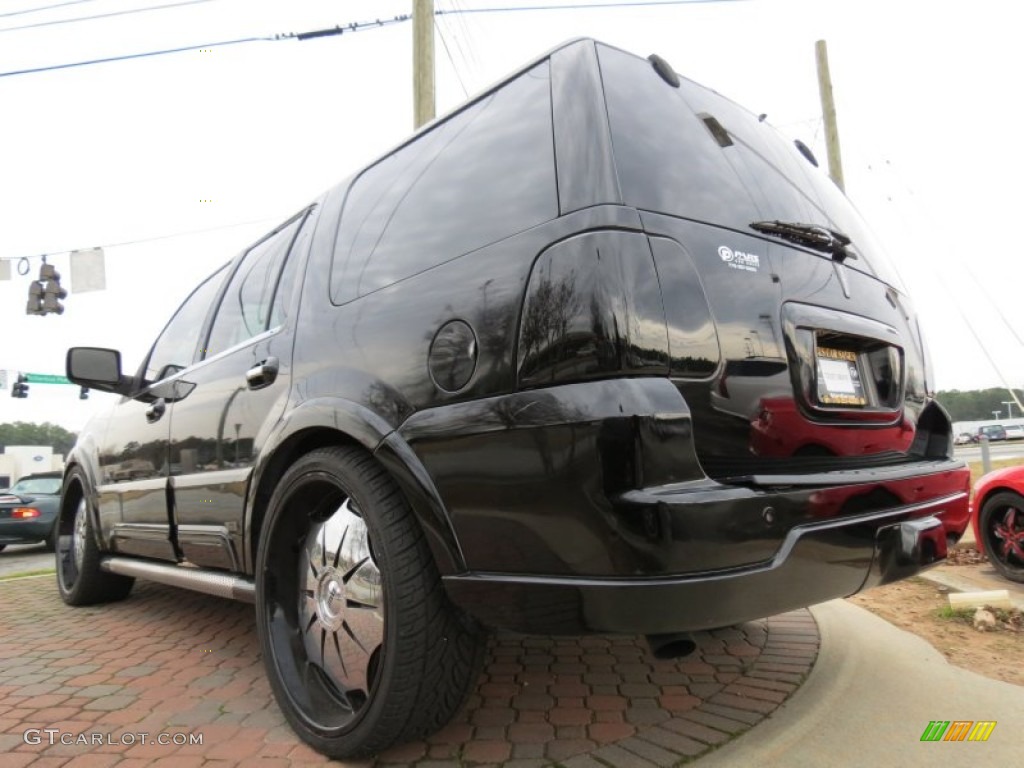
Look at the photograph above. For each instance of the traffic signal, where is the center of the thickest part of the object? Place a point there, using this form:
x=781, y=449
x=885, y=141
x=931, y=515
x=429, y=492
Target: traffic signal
x=83, y=393
x=52, y=290
x=20, y=388
x=35, y=299
x=46, y=293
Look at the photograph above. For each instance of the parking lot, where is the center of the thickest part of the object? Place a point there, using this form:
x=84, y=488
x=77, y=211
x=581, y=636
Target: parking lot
x=25, y=558
x=182, y=664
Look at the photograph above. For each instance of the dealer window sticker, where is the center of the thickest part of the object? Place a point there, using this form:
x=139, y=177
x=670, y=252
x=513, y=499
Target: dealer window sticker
x=748, y=262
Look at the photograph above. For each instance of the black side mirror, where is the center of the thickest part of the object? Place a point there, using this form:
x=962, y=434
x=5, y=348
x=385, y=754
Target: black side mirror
x=97, y=368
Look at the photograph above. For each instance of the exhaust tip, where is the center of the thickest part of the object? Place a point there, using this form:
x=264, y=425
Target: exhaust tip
x=673, y=645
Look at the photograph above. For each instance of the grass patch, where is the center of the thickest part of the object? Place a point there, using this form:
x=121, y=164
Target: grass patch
x=966, y=615
x=25, y=574
x=949, y=613
x=977, y=471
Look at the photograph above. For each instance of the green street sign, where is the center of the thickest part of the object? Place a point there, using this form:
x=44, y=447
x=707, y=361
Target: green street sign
x=46, y=378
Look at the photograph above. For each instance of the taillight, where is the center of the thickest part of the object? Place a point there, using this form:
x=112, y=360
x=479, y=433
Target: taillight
x=593, y=309
x=25, y=513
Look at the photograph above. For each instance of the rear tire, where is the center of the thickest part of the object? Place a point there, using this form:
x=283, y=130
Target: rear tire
x=362, y=648
x=79, y=578
x=1001, y=525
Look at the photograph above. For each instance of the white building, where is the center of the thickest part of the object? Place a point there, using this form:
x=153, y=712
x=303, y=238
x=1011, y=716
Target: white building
x=19, y=460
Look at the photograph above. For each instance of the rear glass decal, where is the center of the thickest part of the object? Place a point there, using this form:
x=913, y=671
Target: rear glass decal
x=749, y=262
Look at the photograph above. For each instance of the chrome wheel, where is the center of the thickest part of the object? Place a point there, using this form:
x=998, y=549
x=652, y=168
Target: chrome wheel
x=361, y=647
x=80, y=576
x=341, y=610
x=79, y=534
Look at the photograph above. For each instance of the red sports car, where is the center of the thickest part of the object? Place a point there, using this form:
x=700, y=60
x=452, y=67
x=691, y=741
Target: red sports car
x=997, y=513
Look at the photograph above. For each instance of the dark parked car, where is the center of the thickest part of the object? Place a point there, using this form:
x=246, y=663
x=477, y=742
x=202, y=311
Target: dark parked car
x=28, y=509
x=992, y=432
x=494, y=380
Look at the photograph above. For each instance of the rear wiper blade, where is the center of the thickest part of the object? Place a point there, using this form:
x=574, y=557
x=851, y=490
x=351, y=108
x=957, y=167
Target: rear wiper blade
x=810, y=235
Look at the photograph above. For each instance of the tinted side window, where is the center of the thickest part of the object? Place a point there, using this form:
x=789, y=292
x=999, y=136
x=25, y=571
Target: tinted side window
x=289, y=274
x=485, y=174
x=245, y=310
x=176, y=346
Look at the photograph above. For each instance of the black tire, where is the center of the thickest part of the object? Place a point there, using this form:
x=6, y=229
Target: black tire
x=362, y=648
x=79, y=578
x=1001, y=525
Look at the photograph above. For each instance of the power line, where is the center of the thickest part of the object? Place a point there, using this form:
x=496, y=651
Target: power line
x=353, y=27
x=473, y=62
x=127, y=56
x=43, y=8
x=455, y=69
x=447, y=23
x=994, y=305
x=580, y=6
x=981, y=344
x=340, y=29
x=955, y=298
x=169, y=236
x=104, y=15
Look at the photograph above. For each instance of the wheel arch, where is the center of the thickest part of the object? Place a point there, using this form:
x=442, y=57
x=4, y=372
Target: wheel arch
x=325, y=422
x=81, y=470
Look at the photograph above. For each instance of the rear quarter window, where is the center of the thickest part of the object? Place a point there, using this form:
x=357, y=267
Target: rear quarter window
x=482, y=175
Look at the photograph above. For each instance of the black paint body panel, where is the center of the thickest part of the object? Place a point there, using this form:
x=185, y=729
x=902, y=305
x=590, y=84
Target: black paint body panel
x=599, y=389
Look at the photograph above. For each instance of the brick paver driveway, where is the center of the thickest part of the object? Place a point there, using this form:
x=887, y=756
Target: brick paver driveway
x=184, y=665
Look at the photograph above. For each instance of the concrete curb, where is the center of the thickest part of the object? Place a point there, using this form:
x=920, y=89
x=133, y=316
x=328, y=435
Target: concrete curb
x=868, y=700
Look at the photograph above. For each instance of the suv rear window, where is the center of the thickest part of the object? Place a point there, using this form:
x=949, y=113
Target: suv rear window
x=670, y=160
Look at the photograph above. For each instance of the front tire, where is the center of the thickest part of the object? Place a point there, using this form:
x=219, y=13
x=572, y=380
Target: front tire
x=1001, y=524
x=79, y=577
x=361, y=646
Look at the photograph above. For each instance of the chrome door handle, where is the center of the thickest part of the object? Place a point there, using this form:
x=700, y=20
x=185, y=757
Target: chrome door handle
x=262, y=374
x=156, y=410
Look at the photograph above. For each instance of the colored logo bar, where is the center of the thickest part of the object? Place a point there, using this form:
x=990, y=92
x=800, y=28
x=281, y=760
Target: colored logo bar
x=958, y=730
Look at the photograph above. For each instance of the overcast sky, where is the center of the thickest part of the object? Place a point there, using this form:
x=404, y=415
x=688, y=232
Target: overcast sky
x=928, y=102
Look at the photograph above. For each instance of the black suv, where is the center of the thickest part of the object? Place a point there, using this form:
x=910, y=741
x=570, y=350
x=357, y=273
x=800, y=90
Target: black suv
x=597, y=352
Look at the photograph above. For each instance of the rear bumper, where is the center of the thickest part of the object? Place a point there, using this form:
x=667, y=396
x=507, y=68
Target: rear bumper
x=817, y=562
x=21, y=531
x=583, y=507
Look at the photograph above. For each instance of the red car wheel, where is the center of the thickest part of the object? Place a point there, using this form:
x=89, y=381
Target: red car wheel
x=1001, y=523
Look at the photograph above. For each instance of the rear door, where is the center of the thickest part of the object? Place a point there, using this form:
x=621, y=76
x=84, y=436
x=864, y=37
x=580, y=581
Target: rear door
x=238, y=390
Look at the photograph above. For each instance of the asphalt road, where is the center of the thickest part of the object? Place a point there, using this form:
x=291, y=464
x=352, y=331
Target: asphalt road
x=998, y=450
x=21, y=558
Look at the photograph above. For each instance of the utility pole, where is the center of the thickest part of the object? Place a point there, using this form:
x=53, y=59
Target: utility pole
x=422, y=62
x=828, y=113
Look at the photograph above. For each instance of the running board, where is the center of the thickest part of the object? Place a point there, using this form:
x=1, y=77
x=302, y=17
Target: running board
x=210, y=582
